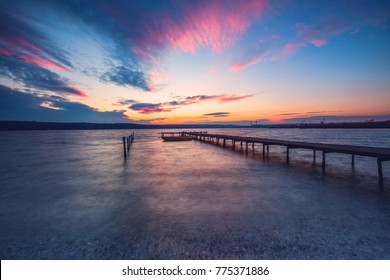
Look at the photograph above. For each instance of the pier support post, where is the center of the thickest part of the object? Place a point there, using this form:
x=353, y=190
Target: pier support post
x=288, y=154
x=323, y=161
x=353, y=161
x=234, y=144
x=263, y=150
x=246, y=148
x=380, y=173
x=224, y=142
x=241, y=145
x=124, y=146
x=314, y=155
x=267, y=149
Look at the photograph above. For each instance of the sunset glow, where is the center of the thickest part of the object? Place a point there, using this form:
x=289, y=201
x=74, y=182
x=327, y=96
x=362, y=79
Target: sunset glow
x=173, y=62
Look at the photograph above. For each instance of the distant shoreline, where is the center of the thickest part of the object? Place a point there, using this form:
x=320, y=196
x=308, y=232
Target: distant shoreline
x=33, y=125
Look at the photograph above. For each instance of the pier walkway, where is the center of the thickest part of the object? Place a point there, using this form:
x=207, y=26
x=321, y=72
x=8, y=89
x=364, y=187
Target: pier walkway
x=381, y=154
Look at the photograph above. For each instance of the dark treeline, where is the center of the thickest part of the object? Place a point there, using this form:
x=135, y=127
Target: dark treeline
x=32, y=125
x=381, y=124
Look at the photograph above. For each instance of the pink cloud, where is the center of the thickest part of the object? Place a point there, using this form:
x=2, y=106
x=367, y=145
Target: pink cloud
x=5, y=52
x=80, y=93
x=240, y=65
x=223, y=99
x=319, y=42
x=213, y=24
x=41, y=61
x=278, y=54
x=305, y=34
x=30, y=53
x=216, y=25
x=287, y=50
x=150, y=108
x=156, y=76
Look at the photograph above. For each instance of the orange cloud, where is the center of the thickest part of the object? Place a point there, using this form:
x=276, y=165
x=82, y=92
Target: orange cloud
x=223, y=99
x=150, y=108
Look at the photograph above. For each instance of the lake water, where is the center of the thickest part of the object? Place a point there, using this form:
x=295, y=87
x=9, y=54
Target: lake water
x=72, y=195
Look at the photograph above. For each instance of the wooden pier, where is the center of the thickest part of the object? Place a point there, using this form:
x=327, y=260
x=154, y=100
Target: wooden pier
x=381, y=154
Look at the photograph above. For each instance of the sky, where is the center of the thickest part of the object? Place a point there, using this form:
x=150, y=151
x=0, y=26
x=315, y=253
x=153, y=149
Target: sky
x=183, y=61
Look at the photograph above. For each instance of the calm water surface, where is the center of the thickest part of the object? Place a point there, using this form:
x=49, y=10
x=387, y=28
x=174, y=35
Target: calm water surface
x=72, y=195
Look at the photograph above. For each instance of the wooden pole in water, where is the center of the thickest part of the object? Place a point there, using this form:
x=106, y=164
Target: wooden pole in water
x=224, y=142
x=124, y=146
x=253, y=148
x=314, y=155
x=323, y=161
x=263, y=150
x=353, y=161
x=246, y=147
x=288, y=154
x=380, y=173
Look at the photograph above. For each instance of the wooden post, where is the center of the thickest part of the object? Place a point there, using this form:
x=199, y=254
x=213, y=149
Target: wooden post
x=246, y=147
x=241, y=144
x=234, y=144
x=380, y=173
x=323, y=161
x=288, y=154
x=224, y=142
x=124, y=146
x=314, y=155
x=267, y=148
x=253, y=148
x=263, y=150
x=353, y=161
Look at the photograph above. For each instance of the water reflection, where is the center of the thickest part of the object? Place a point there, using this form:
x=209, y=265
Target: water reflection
x=70, y=194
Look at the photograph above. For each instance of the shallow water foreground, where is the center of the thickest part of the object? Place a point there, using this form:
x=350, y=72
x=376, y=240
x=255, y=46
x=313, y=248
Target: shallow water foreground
x=71, y=195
